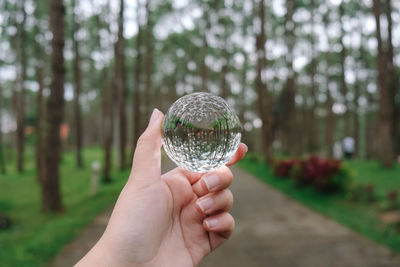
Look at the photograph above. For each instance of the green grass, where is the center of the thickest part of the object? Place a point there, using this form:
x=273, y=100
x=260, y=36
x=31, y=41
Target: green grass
x=36, y=237
x=361, y=217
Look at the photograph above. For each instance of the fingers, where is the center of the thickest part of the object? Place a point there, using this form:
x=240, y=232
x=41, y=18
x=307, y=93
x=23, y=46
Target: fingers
x=146, y=164
x=240, y=153
x=213, y=181
x=219, y=201
x=222, y=223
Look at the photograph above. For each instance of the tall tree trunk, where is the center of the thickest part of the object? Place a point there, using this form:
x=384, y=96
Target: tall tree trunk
x=21, y=90
x=149, y=58
x=386, y=152
x=108, y=125
x=313, y=131
x=78, y=89
x=330, y=122
x=343, y=55
x=205, y=27
x=2, y=163
x=51, y=196
x=289, y=116
x=137, y=75
x=392, y=78
x=356, y=121
x=39, y=72
x=120, y=80
x=224, y=71
x=264, y=97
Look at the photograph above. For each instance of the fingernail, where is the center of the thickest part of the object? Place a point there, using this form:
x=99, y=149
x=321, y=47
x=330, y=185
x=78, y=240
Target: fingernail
x=154, y=116
x=205, y=204
x=211, y=181
x=246, y=148
x=211, y=223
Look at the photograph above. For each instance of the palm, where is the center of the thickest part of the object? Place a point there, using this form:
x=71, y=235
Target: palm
x=186, y=227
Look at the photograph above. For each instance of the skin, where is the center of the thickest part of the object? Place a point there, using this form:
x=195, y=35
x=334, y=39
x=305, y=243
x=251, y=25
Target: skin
x=175, y=219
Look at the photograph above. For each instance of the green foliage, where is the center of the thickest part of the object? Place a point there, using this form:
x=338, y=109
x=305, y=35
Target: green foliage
x=35, y=237
x=360, y=216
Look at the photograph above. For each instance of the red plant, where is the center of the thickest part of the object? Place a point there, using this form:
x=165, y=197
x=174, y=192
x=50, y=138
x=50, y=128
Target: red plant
x=319, y=172
x=283, y=168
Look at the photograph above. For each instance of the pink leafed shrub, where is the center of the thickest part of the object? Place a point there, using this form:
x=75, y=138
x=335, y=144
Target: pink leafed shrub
x=326, y=175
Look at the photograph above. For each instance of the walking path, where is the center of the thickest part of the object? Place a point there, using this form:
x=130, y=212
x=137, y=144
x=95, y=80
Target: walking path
x=272, y=230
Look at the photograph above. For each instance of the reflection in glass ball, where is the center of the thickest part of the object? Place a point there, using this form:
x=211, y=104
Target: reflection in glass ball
x=201, y=132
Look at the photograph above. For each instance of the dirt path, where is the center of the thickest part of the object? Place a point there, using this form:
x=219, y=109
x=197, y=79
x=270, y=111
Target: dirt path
x=272, y=230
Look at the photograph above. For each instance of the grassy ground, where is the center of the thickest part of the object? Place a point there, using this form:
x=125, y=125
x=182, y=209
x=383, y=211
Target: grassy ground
x=359, y=216
x=36, y=237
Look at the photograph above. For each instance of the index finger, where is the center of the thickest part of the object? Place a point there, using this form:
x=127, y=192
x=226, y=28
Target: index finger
x=240, y=153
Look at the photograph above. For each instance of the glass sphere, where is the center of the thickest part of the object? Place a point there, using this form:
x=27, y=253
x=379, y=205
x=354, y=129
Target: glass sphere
x=201, y=132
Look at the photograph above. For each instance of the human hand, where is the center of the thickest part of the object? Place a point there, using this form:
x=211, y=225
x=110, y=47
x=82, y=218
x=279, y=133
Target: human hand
x=171, y=220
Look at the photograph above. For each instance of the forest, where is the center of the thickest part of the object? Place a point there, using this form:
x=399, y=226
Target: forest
x=300, y=74
x=79, y=80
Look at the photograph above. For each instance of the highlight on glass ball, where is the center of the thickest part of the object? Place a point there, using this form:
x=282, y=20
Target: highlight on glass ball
x=201, y=132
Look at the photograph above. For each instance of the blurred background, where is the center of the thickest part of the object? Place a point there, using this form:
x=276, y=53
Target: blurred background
x=310, y=80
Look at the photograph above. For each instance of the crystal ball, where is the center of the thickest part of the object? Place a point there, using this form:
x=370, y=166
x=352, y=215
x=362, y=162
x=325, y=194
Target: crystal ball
x=201, y=132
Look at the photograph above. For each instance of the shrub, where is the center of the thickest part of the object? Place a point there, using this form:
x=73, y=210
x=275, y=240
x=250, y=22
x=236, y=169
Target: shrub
x=283, y=168
x=363, y=193
x=326, y=175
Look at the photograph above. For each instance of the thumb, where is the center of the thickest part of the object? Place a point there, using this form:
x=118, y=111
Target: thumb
x=146, y=164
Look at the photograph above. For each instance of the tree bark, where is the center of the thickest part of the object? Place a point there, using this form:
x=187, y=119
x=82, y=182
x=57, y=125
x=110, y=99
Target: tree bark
x=386, y=153
x=264, y=98
x=289, y=116
x=108, y=125
x=39, y=72
x=343, y=55
x=137, y=75
x=149, y=59
x=78, y=89
x=51, y=195
x=313, y=130
x=2, y=163
x=21, y=90
x=392, y=79
x=120, y=80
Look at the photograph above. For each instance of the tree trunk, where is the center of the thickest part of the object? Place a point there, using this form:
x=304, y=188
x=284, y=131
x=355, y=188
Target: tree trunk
x=120, y=80
x=137, y=75
x=392, y=78
x=78, y=90
x=108, y=125
x=264, y=98
x=330, y=122
x=343, y=55
x=313, y=131
x=2, y=163
x=39, y=72
x=205, y=27
x=149, y=59
x=21, y=90
x=289, y=116
x=386, y=152
x=51, y=195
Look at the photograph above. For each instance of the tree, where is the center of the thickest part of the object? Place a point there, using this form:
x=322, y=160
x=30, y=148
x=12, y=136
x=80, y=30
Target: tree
x=21, y=89
x=40, y=107
x=343, y=55
x=386, y=153
x=149, y=58
x=78, y=88
x=2, y=163
x=51, y=195
x=120, y=82
x=137, y=76
x=289, y=93
x=264, y=97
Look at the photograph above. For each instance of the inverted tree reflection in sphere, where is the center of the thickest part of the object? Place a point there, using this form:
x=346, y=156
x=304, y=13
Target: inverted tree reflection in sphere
x=201, y=132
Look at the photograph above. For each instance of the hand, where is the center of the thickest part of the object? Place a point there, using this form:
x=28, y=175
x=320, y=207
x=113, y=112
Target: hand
x=171, y=220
